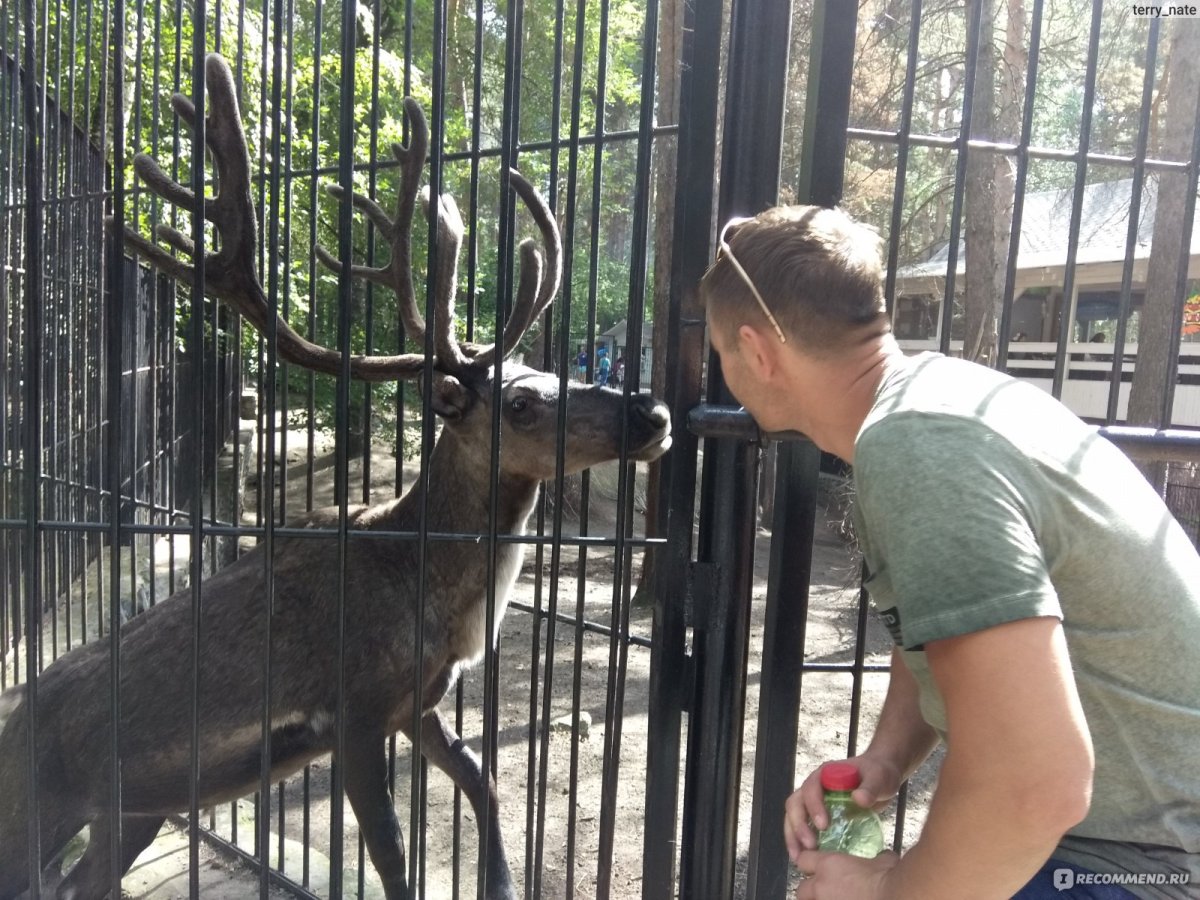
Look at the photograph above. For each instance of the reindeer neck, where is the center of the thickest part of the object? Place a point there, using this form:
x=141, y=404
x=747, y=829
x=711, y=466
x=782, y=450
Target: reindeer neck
x=460, y=493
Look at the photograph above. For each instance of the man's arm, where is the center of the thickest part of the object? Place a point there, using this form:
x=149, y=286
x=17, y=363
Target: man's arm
x=902, y=737
x=901, y=742
x=1018, y=767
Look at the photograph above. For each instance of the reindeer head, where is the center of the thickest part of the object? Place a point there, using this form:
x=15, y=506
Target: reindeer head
x=463, y=387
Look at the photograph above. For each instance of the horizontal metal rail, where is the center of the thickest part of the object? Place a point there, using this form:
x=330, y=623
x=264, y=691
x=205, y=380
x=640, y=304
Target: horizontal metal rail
x=326, y=533
x=1007, y=148
x=1143, y=444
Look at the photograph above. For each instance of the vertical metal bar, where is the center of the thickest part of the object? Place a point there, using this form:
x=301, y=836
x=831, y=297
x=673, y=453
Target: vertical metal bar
x=974, y=15
x=309, y=376
x=618, y=645
x=342, y=473
x=436, y=139
x=699, y=88
x=821, y=179
x=906, y=105
x=272, y=250
x=289, y=18
x=313, y=205
x=1185, y=239
x=510, y=118
x=7, y=380
x=1067, y=307
x=533, y=886
x=32, y=401
x=758, y=52
x=1014, y=238
x=1135, y=214
x=784, y=629
x=196, y=323
x=116, y=307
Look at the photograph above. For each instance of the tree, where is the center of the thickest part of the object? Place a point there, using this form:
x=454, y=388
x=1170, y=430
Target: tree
x=1159, y=326
x=989, y=185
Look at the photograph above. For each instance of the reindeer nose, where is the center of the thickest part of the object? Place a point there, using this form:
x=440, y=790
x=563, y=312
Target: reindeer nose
x=651, y=414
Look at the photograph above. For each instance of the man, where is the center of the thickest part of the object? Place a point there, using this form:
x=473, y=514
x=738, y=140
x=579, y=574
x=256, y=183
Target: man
x=581, y=362
x=1044, y=603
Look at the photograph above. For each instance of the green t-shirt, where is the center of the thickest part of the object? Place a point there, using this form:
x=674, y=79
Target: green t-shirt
x=982, y=500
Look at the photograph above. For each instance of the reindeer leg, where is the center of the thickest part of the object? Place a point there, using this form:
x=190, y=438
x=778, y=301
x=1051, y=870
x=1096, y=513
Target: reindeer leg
x=367, y=788
x=446, y=750
x=92, y=875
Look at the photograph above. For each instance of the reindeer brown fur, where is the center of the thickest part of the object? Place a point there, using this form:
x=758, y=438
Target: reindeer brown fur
x=381, y=593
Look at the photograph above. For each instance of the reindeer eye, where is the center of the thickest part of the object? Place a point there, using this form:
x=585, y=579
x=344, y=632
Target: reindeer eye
x=519, y=404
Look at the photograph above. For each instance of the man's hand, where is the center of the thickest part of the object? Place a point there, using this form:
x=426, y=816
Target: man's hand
x=839, y=876
x=880, y=783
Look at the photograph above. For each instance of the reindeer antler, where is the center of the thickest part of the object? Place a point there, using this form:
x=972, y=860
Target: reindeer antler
x=231, y=275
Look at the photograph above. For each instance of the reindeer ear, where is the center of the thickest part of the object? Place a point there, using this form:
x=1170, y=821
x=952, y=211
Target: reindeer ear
x=450, y=399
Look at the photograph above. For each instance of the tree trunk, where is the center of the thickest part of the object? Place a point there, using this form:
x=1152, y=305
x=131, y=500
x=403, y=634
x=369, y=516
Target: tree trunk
x=1014, y=62
x=670, y=46
x=1158, y=328
x=457, y=64
x=979, y=337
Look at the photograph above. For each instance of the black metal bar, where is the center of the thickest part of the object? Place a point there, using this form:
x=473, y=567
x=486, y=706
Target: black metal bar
x=1135, y=212
x=33, y=131
x=565, y=372
x=974, y=14
x=1067, y=305
x=1181, y=278
x=272, y=251
x=1022, y=175
x=699, y=87
x=196, y=327
x=754, y=98
x=904, y=140
x=638, y=274
x=346, y=134
x=792, y=533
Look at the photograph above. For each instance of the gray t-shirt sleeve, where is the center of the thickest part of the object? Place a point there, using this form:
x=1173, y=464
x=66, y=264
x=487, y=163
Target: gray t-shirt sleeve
x=947, y=527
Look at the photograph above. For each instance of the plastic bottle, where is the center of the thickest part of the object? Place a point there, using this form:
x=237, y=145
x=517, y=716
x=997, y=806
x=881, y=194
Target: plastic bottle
x=852, y=829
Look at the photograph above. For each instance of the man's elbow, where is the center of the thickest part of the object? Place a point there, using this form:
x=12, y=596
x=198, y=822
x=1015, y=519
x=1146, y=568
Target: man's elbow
x=1060, y=798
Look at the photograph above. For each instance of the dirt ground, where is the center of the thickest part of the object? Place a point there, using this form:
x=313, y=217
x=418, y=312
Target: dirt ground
x=548, y=840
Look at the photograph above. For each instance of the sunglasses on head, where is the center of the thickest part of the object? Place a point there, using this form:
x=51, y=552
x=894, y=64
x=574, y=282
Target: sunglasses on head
x=724, y=248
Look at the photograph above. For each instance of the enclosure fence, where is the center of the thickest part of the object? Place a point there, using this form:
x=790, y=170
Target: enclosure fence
x=150, y=438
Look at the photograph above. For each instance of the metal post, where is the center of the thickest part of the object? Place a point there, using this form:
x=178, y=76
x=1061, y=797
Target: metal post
x=699, y=88
x=755, y=88
x=821, y=177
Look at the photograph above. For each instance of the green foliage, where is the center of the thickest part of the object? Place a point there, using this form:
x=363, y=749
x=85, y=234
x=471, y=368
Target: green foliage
x=880, y=61
x=292, y=118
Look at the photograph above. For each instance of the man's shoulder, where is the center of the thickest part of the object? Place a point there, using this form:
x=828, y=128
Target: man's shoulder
x=933, y=402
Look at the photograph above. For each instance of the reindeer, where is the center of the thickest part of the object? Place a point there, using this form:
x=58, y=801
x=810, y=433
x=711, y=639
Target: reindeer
x=381, y=683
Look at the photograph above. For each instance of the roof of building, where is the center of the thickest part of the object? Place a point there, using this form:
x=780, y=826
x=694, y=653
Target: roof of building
x=1046, y=222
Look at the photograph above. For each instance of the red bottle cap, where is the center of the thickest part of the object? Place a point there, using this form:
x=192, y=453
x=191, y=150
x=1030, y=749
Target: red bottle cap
x=840, y=776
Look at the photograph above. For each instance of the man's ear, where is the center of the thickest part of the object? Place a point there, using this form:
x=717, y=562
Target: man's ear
x=758, y=351
x=449, y=398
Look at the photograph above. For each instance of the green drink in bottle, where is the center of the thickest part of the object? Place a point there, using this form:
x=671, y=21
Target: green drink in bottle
x=852, y=829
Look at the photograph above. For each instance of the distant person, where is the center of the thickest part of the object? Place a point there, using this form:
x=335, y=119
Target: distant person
x=618, y=372
x=581, y=362
x=603, y=366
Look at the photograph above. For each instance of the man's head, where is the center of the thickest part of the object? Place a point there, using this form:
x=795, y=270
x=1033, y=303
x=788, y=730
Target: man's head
x=817, y=270
x=816, y=273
